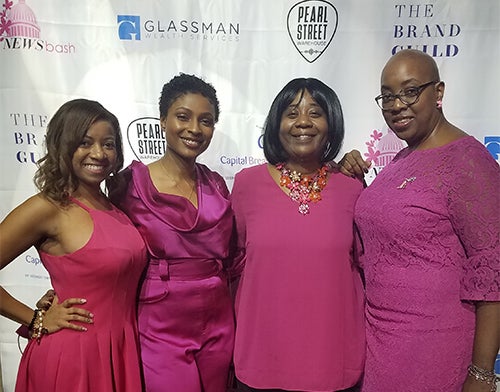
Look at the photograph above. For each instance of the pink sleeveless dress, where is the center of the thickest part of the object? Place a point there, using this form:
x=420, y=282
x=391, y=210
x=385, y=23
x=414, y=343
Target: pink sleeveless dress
x=106, y=272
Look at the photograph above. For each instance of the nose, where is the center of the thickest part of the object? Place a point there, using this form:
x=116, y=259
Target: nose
x=97, y=152
x=398, y=104
x=194, y=127
x=303, y=120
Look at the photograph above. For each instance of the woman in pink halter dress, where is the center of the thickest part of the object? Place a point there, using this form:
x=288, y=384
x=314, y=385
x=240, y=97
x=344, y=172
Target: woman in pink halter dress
x=94, y=256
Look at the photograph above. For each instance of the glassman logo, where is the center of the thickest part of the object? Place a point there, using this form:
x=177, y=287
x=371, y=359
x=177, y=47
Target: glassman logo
x=311, y=25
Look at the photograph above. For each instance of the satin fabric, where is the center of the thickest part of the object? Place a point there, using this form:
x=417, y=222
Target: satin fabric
x=186, y=321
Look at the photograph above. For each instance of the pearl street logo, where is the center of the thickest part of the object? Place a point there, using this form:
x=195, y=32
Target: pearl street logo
x=146, y=139
x=311, y=25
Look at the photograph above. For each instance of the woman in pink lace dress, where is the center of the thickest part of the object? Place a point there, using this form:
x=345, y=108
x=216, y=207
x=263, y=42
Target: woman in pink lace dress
x=429, y=225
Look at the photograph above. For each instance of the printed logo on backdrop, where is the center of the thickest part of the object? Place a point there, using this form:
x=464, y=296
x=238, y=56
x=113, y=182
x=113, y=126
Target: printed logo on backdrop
x=311, y=26
x=417, y=27
x=19, y=30
x=239, y=161
x=137, y=28
x=492, y=143
x=28, y=133
x=381, y=149
x=36, y=266
x=146, y=139
x=129, y=27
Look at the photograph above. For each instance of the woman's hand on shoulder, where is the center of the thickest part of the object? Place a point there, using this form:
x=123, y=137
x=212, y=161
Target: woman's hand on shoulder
x=353, y=165
x=64, y=314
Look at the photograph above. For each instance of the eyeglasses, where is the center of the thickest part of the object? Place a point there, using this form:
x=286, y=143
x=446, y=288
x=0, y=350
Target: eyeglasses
x=408, y=96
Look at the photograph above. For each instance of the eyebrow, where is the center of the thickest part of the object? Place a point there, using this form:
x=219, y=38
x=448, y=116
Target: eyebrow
x=404, y=84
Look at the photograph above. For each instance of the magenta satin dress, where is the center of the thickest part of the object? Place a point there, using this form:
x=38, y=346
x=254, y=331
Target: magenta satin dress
x=105, y=271
x=299, y=304
x=185, y=315
x=431, y=247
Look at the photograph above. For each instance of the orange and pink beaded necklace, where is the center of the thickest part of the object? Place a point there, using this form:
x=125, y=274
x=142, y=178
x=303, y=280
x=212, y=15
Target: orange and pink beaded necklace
x=303, y=188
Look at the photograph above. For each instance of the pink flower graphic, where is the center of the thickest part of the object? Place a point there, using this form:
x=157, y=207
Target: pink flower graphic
x=4, y=23
x=372, y=154
x=376, y=136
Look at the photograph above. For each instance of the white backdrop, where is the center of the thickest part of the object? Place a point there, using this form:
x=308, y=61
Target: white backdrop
x=121, y=52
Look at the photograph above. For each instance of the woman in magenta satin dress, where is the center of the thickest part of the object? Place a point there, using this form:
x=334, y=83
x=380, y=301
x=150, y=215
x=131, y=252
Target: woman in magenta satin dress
x=182, y=209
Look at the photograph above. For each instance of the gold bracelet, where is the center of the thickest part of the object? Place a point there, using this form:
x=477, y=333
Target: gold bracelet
x=482, y=375
x=37, y=330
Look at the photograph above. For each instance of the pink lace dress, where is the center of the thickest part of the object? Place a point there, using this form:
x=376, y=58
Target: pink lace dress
x=429, y=224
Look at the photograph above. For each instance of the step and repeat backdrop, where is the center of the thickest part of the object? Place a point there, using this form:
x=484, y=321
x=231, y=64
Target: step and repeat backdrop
x=121, y=53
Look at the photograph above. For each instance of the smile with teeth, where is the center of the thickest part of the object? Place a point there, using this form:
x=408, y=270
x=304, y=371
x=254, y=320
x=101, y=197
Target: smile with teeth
x=303, y=137
x=191, y=142
x=95, y=168
x=402, y=122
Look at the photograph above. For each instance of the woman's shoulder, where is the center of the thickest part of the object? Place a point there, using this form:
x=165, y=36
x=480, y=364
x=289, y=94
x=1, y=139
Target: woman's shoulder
x=465, y=152
x=337, y=177
x=251, y=171
x=38, y=209
x=214, y=177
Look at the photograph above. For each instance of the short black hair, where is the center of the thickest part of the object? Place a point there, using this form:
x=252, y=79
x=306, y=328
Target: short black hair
x=184, y=84
x=325, y=97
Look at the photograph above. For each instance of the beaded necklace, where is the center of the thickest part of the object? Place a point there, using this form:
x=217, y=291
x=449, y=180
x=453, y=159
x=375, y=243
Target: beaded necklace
x=303, y=188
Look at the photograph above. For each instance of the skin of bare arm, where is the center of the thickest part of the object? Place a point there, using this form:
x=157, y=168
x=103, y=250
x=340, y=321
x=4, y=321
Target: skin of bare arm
x=486, y=343
x=33, y=223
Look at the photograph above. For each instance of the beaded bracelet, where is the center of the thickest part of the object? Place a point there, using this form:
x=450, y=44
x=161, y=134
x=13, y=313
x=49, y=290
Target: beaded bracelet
x=483, y=375
x=36, y=325
x=35, y=314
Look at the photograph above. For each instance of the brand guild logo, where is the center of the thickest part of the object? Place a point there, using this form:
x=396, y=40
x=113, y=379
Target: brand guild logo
x=311, y=25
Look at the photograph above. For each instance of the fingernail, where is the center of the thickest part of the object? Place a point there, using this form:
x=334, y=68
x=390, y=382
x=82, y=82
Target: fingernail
x=84, y=329
x=91, y=314
x=83, y=300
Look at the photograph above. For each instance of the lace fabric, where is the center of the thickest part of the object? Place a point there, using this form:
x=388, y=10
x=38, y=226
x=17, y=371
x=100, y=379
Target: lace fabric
x=429, y=226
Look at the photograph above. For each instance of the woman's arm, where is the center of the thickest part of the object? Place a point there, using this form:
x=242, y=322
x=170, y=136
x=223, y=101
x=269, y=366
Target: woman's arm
x=486, y=345
x=29, y=225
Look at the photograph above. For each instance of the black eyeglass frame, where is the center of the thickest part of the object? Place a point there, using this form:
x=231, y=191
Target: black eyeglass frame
x=401, y=95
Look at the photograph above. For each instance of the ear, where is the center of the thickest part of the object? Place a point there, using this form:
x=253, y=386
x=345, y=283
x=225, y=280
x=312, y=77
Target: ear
x=163, y=123
x=440, y=91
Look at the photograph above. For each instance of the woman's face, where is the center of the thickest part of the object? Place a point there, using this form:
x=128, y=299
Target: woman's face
x=304, y=130
x=189, y=126
x=95, y=158
x=412, y=123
